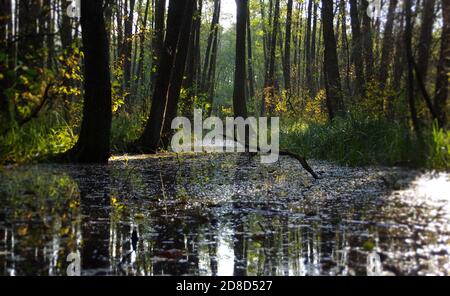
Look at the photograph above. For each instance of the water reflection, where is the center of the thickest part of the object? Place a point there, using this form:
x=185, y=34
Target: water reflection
x=216, y=215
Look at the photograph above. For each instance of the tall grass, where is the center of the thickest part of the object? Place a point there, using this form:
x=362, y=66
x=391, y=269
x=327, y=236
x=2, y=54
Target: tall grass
x=46, y=135
x=354, y=141
x=50, y=134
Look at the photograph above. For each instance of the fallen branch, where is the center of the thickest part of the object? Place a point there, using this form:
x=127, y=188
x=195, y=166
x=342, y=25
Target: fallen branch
x=22, y=121
x=300, y=158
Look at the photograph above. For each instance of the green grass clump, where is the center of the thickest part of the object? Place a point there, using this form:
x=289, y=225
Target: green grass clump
x=124, y=130
x=354, y=142
x=46, y=135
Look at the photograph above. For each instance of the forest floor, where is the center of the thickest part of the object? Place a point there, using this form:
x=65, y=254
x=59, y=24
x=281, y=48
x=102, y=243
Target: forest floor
x=223, y=214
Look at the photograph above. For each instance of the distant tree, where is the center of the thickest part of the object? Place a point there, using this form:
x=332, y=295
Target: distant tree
x=287, y=48
x=5, y=31
x=410, y=73
x=388, y=44
x=367, y=40
x=357, y=48
x=443, y=69
x=335, y=100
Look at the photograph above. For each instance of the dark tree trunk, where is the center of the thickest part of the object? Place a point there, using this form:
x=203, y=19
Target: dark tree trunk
x=357, y=51
x=176, y=79
x=149, y=140
x=388, y=44
x=410, y=78
x=425, y=38
x=345, y=44
x=5, y=31
x=308, y=76
x=191, y=80
x=93, y=144
x=287, y=49
x=49, y=29
x=312, y=55
x=367, y=41
x=128, y=48
x=140, y=66
x=399, y=68
x=239, y=102
x=207, y=64
x=443, y=68
x=251, y=75
x=119, y=20
x=158, y=38
x=66, y=26
x=335, y=101
x=29, y=40
x=269, y=85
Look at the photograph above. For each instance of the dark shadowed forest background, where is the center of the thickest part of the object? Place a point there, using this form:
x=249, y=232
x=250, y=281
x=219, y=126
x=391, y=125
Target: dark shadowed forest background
x=349, y=86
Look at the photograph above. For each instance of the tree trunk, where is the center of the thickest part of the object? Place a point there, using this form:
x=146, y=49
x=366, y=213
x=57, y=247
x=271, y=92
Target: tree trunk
x=425, y=38
x=287, y=49
x=399, y=68
x=410, y=78
x=308, y=74
x=269, y=85
x=140, y=66
x=239, y=102
x=149, y=140
x=335, y=101
x=367, y=41
x=357, y=49
x=388, y=44
x=28, y=39
x=251, y=75
x=207, y=64
x=312, y=55
x=158, y=38
x=176, y=79
x=127, y=49
x=345, y=45
x=443, y=68
x=93, y=144
x=5, y=29
x=191, y=81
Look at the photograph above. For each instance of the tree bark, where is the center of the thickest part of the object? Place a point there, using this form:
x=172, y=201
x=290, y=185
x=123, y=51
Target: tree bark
x=251, y=75
x=443, y=68
x=149, y=140
x=287, y=49
x=335, y=101
x=269, y=85
x=158, y=38
x=5, y=29
x=127, y=49
x=207, y=64
x=388, y=44
x=93, y=145
x=239, y=102
x=176, y=79
x=410, y=77
x=357, y=50
x=140, y=66
x=367, y=41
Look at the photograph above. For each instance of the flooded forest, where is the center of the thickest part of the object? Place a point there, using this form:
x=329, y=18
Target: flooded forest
x=224, y=137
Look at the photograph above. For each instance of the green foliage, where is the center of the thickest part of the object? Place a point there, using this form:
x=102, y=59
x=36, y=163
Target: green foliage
x=125, y=129
x=439, y=148
x=355, y=141
x=46, y=135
